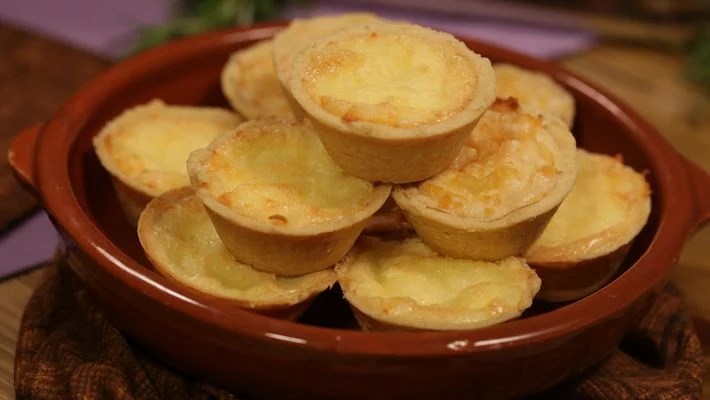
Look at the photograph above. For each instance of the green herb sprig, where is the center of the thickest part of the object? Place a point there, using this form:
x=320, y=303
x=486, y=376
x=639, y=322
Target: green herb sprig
x=196, y=16
x=697, y=68
x=697, y=72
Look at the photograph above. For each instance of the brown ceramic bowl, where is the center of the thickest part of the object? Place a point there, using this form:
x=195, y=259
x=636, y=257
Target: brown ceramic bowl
x=322, y=356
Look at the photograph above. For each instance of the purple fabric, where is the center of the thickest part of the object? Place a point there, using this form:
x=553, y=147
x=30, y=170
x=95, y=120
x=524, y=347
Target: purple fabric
x=33, y=242
x=106, y=27
x=539, y=37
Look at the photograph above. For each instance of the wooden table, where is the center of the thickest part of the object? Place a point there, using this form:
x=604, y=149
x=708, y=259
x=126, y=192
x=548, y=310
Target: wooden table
x=647, y=79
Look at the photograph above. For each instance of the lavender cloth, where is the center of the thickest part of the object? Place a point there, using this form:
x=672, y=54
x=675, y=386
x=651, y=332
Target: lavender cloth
x=536, y=38
x=106, y=27
x=32, y=243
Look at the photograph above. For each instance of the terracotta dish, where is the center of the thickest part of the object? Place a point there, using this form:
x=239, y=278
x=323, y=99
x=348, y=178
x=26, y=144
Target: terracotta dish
x=324, y=355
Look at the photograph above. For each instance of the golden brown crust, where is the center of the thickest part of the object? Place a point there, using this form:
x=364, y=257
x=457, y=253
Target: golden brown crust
x=392, y=160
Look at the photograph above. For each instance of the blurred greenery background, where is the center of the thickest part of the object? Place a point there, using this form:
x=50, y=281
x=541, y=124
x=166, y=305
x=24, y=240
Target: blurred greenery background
x=191, y=17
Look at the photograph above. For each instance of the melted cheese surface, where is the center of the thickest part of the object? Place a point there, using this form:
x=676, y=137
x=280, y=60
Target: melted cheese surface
x=534, y=90
x=302, y=32
x=607, y=194
x=401, y=277
x=150, y=144
x=280, y=173
x=508, y=162
x=183, y=240
x=390, y=78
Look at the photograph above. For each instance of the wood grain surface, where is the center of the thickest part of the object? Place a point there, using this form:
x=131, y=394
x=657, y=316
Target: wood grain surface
x=36, y=74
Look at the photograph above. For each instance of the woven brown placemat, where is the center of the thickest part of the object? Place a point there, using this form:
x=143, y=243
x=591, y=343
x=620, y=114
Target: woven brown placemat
x=67, y=350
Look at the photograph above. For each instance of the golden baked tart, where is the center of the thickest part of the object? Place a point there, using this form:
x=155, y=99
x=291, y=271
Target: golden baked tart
x=588, y=237
x=145, y=148
x=180, y=241
x=404, y=285
x=392, y=102
x=278, y=201
x=250, y=84
x=496, y=197
x=301, y=32
x=535, y=90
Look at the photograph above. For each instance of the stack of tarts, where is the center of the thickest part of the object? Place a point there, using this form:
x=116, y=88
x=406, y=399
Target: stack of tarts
x=441, y=192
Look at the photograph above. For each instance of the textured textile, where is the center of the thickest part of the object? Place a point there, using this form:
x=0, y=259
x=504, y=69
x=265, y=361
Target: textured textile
x=67, y=350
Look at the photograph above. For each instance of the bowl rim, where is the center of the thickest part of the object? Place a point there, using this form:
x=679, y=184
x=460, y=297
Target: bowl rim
x=54, y=184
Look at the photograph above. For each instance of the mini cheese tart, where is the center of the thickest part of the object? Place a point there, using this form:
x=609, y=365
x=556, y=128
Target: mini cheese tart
x=249, y=83
x=278, y=201
x=588, y=237
x=495, y=199
x=146, y=147
x=404, y=285
x=392, y=102
x=180, y=241
x=535, y=90
x=300, y=33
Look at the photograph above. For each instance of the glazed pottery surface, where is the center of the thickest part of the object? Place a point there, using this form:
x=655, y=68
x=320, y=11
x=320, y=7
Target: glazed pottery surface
x=323, y=355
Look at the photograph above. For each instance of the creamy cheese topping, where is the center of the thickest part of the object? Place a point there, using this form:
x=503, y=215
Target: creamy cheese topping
x=150, y=144
x=508, y=162
x=534, y=90
x=181, y=238
x=605, y=195
x=392, y=78
x=249, y=82
x=301, y=32
x=279, y=172
x=404, y=278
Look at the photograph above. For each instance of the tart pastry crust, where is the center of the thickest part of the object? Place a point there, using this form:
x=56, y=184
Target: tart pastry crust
x=180, y=241
x=404, y=285
x=146, y=147
x=589, y=236
x=300, y=33
x=498, y=195
x=535, y=90
x=392, y=102
x=278, y=201
x=250, y=84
